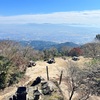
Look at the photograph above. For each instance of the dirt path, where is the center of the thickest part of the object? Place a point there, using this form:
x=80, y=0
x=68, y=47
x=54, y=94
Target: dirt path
x=40, y=70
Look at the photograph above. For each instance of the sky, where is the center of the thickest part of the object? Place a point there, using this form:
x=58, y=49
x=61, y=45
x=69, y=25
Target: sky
x=76, y=12
x=21, y=7
x=80, y=13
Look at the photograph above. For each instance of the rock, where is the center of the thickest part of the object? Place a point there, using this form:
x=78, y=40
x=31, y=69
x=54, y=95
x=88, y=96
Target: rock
x=45, y=88
x=52, y=86
x=36, y=94
x=37, y=81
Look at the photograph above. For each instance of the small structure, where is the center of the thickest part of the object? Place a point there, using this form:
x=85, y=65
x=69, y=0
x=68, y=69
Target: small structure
x=50, y=61
x=75, y=58
x=31, y=63
x=47, y=90
x=21, y=93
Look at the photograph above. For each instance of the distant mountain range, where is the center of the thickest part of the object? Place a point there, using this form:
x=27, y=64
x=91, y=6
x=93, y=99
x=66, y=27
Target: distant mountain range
x=41, y=45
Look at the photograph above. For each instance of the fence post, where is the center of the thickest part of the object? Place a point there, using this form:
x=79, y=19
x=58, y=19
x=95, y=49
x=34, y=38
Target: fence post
x=60, y=77
x=47, y=73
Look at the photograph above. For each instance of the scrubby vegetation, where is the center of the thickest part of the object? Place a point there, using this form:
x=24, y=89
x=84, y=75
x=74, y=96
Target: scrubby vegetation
x=97, y=37
x=85, y=81
x=91, y=50
x=75, y=52
x=13, y=61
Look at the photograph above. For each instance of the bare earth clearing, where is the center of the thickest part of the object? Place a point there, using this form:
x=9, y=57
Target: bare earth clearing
x=54, y=73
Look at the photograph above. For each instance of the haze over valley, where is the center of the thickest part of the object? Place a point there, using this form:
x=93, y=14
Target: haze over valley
x=59, y=33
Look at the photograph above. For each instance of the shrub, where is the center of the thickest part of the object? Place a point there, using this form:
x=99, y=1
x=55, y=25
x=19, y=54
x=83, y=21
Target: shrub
x=75, y=52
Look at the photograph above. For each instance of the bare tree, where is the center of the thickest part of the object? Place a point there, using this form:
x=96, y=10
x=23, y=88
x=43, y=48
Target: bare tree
x=83, y=81
x=91, y=50
x=65, y=50
x=75, y=80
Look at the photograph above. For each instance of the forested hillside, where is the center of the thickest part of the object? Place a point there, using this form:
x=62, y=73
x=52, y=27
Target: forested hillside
x=42, y=45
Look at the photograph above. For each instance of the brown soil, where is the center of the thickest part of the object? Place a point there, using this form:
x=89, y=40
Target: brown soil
x=40, y=70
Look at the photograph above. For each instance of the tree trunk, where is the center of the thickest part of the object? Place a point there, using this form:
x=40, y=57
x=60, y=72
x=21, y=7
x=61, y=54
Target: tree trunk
x=72, y=93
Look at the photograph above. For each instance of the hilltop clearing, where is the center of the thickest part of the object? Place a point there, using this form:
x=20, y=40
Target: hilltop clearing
x=54, y=73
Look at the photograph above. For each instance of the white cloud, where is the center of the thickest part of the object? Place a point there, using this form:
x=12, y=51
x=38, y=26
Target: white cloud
x=88, y=18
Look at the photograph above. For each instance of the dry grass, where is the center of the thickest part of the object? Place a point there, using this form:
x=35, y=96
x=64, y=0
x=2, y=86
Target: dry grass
x=54, y=73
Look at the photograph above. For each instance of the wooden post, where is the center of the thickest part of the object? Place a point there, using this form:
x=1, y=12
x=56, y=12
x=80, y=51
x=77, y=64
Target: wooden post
x=60, y=78
x=47, y=73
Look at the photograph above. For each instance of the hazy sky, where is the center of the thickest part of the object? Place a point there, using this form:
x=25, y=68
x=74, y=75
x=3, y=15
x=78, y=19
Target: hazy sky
x=77, y=12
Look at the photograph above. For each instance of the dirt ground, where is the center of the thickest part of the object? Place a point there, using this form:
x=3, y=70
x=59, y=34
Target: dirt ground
x=40, y=70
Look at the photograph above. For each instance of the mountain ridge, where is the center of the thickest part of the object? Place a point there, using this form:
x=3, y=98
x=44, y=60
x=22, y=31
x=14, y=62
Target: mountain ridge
x=41, y=45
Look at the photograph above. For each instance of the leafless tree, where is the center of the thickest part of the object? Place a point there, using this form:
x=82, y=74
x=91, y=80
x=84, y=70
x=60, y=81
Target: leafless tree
x=75, y=81
x=83, y=81
x=91, y=50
